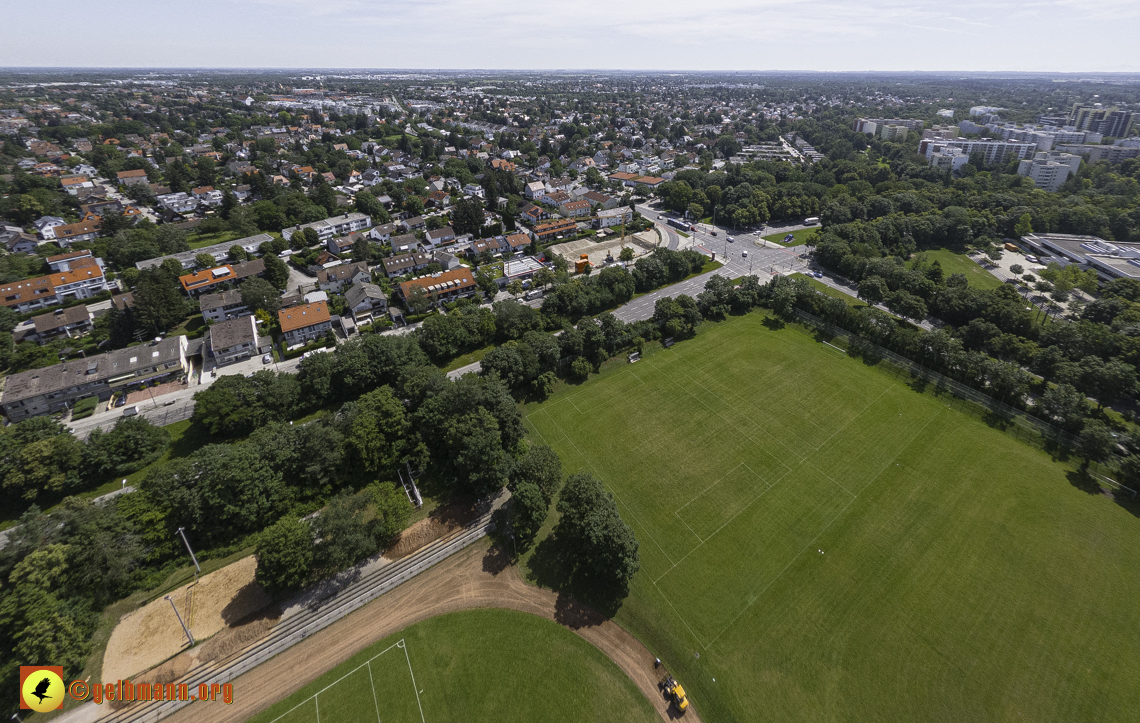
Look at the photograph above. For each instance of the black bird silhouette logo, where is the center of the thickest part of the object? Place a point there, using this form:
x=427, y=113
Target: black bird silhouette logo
x=42, y=688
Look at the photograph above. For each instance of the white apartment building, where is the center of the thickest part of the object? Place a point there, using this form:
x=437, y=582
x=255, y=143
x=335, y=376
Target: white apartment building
x=1049, y=170
x=991, y=151
x=332, y=227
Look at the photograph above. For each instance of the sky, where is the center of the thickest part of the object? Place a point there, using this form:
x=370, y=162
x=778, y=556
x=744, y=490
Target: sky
x=826, y=35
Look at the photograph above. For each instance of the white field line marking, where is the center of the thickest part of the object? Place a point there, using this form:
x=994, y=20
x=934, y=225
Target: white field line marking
x=322, y=690
x=617, y=497
x=412, y=673
x=375, y=700
x=317, y=705
x=825, y=528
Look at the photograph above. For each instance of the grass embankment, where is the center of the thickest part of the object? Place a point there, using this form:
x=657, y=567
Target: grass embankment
x=800, y=237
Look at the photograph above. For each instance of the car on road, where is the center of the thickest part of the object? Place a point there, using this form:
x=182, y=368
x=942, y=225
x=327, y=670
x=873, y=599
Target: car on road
x=730, y=239
x=713, y=233
x=818, y=275
x=131, y=410
x=267, y=359
x=744, y=253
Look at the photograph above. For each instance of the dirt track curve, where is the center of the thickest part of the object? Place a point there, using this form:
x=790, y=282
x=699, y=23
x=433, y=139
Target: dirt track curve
x=474, y=578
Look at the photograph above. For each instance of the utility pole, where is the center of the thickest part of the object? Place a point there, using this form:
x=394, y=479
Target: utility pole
x=184, y=628
x=181, y=531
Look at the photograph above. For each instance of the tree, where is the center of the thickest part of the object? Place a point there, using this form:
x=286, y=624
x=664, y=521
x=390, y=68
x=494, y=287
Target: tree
x=467, y=216
x=486, y=281
x=906, y=304
x=605, y=547
x=132, y=444
x=1024, y=226
x=873, y=289
x=8, y=319
x=237, y=254
x=1095, y=441
x=626, y=254
x=1063, y=403
x=205, y=261
x=580, y=369
x=392, y=509
x=284, y=555
x=515, y=288
x=528, y=512
x=1016, y=269
x=476, y=453
x=276, y=272
x=376, y=435
x=541, y=467
x=259, y=294
x=1107, y=381
x=418, y=300
x=345, y=537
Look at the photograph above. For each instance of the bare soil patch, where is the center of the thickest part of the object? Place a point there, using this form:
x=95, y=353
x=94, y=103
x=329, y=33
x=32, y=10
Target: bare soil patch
x=151, y=634
x=474, y=578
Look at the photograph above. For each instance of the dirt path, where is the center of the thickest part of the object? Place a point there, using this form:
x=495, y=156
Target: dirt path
x=475, y=578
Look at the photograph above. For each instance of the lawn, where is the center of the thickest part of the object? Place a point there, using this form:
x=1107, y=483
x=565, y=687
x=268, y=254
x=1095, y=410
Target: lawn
x=836, y=546
x=198, y=240
x=800, y=237
x=478, y=665
x=955, y=263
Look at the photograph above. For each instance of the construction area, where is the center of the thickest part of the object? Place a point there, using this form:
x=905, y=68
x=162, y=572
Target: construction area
x=597, y=251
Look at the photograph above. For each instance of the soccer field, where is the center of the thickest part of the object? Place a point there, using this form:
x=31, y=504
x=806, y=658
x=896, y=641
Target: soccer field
x=828, y=544
x=479, y=665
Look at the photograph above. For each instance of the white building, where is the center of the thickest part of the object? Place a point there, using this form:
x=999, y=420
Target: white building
x=330, y=227
x=1049, y=170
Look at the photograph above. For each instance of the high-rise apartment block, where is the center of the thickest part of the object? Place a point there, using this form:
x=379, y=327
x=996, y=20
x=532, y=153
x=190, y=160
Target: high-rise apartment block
x=1049, y=170
x=1106, y=121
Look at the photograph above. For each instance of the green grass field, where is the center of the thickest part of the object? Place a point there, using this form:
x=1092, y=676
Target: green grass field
x=801, y=237
x=478, y=665
x=828, y=291
x=835, y=546
x=955, y=263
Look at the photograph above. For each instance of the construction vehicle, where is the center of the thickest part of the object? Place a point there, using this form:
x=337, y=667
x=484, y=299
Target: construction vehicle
x=675, y=693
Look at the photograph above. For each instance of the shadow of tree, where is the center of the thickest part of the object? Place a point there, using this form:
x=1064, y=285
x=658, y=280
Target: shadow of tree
x=1083, y=481
x=554, y=565
x=774, y=323
x=498, y=558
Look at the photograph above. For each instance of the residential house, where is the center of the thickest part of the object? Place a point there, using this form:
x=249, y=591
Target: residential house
x=69, y=233
x=56, y=388
x=179, y=203
x=207, y=279
x=336, y=278
x=72, y=184
x=401, y=264
x=383, y=233
x=482, y=246
x=415, y=223
x=648, y=182
x=556, y=198
x=549, y=230
x=447, y=261
x=43, y=223
x=573, y=209
x=613, y=217
x=236, y=339
x=600, y=199
x=220, y=252
x=440, y=236
x=439, y=199
x=365, y=301
x=517, y=242
x=405, y=243
x=442, y=286
x=534, y=190
x=475, y=190
x=207, y=196
x=219, y=307
x=302, y=324
x=78, y=278
x=533, y=214
x=334, y=226
x=19, y=242
x=71, y=322
x=341, y=246
x=29, y=294
x=132, y=178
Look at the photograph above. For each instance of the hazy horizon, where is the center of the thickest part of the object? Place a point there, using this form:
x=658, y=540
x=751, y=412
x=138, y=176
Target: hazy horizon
x=1048, y=36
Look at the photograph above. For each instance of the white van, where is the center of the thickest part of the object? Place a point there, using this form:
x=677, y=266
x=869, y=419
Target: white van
x=131, y=410
x=744, y=253
x=811, y=221
x=533, y=294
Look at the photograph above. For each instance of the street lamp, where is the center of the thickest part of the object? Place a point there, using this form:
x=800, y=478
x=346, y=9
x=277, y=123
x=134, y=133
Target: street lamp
x=180, y=622
x=181, y=531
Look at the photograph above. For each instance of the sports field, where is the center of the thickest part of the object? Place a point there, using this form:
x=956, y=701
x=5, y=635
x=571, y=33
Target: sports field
x=478, y=665
x=835, y=546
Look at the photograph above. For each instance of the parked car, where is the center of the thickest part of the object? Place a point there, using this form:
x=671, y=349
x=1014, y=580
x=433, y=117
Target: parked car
x=713, y=233
x=121, y=400
x=730, y=239
x=818, y=274
x=131, y=410
x=267, y=359
x=744, y=253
